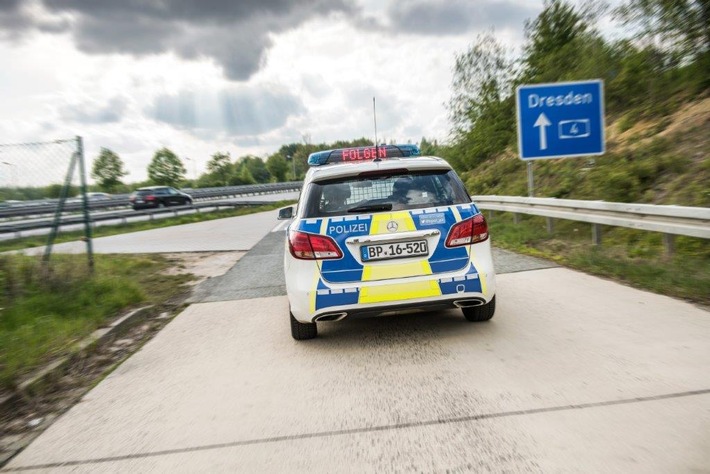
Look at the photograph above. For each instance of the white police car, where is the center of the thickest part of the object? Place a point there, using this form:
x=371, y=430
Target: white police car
x=382, y=230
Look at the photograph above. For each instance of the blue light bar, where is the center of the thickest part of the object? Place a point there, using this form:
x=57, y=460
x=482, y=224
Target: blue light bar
x=362, y=153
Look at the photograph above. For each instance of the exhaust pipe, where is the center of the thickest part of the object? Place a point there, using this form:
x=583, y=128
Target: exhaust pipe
x=469, y=303
x=330, y=317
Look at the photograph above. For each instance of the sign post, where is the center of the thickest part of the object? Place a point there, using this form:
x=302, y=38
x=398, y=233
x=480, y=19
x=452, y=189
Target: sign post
x=560, y=120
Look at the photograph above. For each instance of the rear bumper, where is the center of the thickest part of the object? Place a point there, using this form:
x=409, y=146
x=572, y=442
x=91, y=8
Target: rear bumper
x=393, y=308
x=312, y=299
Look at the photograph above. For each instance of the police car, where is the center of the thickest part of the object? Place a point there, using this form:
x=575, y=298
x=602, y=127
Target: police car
x=382, y=230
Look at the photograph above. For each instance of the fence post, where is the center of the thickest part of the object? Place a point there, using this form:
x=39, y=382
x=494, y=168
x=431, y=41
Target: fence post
x=516, y=218
x=596, y=234
x=85, y=203
x=56, y=222
x=550, y=225
x=669, y=244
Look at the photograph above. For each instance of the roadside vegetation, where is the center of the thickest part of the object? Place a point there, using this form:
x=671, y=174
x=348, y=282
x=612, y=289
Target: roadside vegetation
x=45, y=311
x=657, y=91
x=633, y=257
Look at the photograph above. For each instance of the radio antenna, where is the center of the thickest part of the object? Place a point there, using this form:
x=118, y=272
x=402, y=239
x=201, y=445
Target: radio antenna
x=374, y=114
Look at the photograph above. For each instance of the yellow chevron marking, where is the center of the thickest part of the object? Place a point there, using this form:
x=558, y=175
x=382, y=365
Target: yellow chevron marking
x=395, y=270
x=403, y=219
x=401, y=291
x=382, y=271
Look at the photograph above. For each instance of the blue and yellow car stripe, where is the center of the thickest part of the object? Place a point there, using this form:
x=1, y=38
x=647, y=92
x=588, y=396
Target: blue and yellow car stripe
x=331, y=278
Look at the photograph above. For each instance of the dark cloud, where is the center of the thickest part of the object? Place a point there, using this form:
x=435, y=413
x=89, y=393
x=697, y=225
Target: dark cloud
x=88, y=113
x=453, y=17
x=18, y=17
x=234, y=33
x=237, y=112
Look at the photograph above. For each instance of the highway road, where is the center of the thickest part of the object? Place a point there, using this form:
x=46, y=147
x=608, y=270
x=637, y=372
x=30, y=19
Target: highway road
x=574, y=373
x=128, y=215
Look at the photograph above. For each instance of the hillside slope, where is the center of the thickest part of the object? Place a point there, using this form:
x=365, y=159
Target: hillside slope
x=660, y=161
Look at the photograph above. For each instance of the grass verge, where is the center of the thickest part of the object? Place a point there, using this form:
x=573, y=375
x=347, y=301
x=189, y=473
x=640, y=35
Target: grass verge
x=44, y=311
x=47, y=310
x=626, y=255
x=108, y=230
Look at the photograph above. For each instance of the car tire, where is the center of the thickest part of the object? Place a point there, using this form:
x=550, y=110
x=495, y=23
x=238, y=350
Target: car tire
x=302, y=331
x=161, y=205
x=188, y=202
x=480, y=313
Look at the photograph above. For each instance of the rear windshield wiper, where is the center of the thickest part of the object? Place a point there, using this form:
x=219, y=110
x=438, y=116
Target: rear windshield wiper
x=372, y=207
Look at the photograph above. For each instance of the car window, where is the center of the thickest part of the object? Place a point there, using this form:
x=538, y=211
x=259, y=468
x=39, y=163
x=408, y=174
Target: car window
x=400, y=191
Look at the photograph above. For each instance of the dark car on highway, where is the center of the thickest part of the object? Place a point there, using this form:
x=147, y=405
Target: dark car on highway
x=158, y=196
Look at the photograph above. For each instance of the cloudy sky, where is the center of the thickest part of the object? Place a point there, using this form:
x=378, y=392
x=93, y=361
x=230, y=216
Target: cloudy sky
x=242, y=77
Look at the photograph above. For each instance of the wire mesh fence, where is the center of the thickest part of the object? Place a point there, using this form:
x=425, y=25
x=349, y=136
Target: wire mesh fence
x=42, y=174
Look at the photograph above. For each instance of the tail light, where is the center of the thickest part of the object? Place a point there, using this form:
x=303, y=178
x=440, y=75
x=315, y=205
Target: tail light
x=150, y=197
x=468, y=232
x=313, y=247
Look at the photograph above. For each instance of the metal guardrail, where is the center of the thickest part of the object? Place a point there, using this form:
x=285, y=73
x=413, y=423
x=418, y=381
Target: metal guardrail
x=19, y=227
x=669, y=220
x=48, y=206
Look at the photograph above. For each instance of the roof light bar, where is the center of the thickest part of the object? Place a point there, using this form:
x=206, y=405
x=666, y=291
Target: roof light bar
x=362, y=153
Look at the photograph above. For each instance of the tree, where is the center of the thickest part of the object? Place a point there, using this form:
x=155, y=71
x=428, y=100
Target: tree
x=428, y=148
x=257, y=169
x=220, y=167
x=277, y=166
x=681, y=27
x=554, y=40
x=108, y=170
x=482, y=75
x=481, y=107
x=241, y=174
x=166, y=168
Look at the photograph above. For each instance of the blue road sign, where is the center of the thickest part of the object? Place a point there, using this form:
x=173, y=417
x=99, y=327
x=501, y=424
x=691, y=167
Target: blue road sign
x=560, y=120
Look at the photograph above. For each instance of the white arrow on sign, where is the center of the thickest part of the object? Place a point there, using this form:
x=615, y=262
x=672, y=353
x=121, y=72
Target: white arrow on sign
x=543, y=123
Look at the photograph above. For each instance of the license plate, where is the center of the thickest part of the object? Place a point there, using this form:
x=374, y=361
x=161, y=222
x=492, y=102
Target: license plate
x=394, y=250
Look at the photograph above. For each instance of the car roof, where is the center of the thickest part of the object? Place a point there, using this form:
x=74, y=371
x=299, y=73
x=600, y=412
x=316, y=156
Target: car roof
x=152, y=188
x=343, y=170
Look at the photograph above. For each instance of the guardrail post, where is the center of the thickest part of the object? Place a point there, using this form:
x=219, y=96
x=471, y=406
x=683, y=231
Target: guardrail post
x=516, y=218
x=550, y=225
x=596, y=234
x=669, y=244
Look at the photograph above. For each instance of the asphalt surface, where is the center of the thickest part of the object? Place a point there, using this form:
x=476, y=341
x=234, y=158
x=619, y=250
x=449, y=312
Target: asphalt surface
x=574, y=373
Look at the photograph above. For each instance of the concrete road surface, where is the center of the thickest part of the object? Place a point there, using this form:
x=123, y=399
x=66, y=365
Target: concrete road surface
x=574, y=373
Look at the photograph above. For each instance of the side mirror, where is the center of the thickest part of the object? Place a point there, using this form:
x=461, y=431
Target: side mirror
x=286, y=213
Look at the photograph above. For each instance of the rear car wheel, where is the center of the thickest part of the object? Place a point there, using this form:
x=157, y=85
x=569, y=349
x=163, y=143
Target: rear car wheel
x=480, y=313
x=301, y=331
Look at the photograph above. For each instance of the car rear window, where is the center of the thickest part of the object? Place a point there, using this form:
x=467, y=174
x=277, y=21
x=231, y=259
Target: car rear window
x=382, y=193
